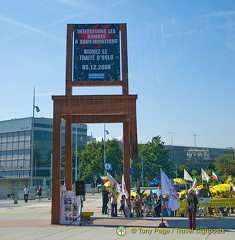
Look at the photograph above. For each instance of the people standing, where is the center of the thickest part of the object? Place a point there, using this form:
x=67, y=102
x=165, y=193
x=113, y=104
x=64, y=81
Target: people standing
x=122, y=204
x=137, y=205
x=141, y=194
x=192, y=208
x=149, y=206
x=26, y=194
x=113, y=205
x=158, y=208
x=105, y=200
x=205, y=193
x=39, y=192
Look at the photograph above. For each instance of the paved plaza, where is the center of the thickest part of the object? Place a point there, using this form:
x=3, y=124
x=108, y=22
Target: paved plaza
x=32, y=221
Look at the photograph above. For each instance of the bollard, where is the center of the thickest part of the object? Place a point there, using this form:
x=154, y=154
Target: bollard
x=15, y=201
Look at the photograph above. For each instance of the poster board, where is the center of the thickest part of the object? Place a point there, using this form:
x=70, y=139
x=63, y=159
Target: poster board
x=166, y=211
x=96, y=50
x=70, y=209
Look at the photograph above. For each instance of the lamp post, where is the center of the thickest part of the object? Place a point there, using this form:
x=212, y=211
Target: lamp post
x=142, y=171
x=77, y=161
x=176, y=172
x=105, y=132
x=32, y=140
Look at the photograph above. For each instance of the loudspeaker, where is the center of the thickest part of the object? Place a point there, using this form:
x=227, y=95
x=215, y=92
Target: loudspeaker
x=80, y=187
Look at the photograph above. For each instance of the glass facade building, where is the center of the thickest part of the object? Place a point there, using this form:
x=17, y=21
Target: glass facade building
x=15, y=146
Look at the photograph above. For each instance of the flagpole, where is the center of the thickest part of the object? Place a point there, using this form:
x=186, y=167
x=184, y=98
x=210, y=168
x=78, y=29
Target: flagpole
x=162, y=224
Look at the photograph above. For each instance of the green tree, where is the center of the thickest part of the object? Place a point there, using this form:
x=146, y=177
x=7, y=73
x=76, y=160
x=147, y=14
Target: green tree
x=114, y=155
x=154, y=157
x=181, y=168
x=225, y=165
x=194, y=172
x=91, y=159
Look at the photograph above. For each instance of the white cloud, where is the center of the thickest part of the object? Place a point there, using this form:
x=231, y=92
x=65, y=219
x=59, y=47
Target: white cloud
x=85, y=5
x=28, y=28
x=219, y=14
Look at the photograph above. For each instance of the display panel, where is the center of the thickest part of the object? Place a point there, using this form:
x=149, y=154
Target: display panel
x=96, y=49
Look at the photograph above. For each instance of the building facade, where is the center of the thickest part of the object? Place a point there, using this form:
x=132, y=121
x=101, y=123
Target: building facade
x=18, y=161
x=196, y=158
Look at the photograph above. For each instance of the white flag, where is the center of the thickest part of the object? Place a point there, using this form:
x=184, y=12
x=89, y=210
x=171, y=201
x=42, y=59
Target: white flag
x=187, y=176
x=124, y=189
x=205, y=176
x=168, y=189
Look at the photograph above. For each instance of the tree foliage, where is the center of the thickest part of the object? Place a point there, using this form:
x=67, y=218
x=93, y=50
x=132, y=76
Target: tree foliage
x=91, y=159
x=225, y=165
x=154, y=157
x=180, y=170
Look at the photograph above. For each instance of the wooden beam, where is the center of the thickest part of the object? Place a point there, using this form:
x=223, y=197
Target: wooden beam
x=56, y=168
x=125, y=90
x=126, y=154
x=97, y=105
x=95, y=118
x=69, y=54
x=96, y=83
x=68, y=155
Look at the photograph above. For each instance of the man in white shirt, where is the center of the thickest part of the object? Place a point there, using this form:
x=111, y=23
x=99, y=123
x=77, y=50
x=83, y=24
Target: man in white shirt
x=26, y=194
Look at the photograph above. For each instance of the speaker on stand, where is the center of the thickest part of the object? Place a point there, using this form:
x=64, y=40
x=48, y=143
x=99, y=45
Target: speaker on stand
x=80, y=187
x=81, y=192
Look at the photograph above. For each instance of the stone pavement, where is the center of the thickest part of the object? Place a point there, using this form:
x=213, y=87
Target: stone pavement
x=32, y=221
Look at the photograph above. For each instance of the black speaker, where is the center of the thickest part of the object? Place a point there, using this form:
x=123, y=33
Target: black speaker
x=80, y=188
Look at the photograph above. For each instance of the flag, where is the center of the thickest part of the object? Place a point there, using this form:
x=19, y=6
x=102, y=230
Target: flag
x=215, y=175
x=194, y=184
x=104, y=178
x=187, y=176
x=114, y=186
x=154, y=181
x=169, y=189
x=205, y=176
x=108, y=166
x=229, y=180
x=124, y=189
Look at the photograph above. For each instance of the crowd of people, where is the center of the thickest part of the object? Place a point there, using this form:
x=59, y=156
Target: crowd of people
x=204, y=194
x=141, y=204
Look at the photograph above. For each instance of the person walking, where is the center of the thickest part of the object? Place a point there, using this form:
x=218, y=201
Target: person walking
x=26, y=194
x=39, y=191
x=192, y=208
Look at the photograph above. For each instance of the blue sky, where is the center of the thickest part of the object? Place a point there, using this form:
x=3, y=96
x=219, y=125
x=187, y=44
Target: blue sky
x=181, y=57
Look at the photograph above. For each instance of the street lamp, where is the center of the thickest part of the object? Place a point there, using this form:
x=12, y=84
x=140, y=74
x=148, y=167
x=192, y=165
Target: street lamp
x=142, y=170
x=172, y=152
x=32, y=140
x=105, y=132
